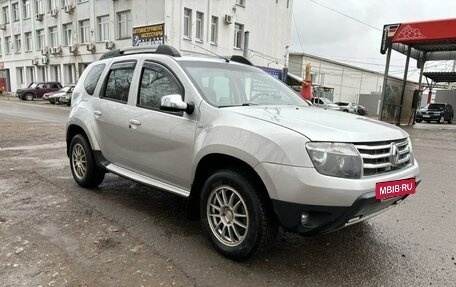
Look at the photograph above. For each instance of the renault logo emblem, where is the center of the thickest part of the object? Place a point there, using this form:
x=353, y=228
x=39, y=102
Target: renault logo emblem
x=394, y=155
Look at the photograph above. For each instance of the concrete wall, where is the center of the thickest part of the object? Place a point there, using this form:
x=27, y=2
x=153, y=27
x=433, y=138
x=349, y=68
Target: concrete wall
x=446, y=96
x=371, y=101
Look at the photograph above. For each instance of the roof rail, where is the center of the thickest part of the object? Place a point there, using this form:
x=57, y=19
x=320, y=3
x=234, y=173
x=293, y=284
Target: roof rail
x=240, y=59
x=162, y=49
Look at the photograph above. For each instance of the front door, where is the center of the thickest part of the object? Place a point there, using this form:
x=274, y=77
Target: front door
x=161, y=143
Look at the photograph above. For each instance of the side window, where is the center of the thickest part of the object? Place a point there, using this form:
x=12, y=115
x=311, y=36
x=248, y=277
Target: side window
x=119, y=81
x=40, y=86
x=55, y=86
x=91, y=81
x=156, y=82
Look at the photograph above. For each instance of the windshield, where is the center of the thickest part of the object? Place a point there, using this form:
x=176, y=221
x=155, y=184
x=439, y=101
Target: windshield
x=326, y=101
x=224, y=84
x=33, y=85
x=65, y=89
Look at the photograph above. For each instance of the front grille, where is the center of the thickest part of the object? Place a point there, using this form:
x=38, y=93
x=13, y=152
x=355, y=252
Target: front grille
x=377, y=156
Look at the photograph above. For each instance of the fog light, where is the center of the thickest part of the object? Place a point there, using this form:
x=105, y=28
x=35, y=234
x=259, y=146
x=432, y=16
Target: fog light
x=305, y=218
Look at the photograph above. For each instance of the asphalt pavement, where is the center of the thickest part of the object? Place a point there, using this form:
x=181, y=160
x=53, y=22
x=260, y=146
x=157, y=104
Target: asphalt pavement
x=54, y=233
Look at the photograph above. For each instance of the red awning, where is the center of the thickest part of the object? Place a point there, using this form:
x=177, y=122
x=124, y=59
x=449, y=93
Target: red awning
x=440, y=31
x=428, y=40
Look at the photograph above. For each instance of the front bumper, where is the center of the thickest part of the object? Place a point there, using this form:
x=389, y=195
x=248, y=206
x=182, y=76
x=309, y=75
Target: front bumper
x=330, y=201
x=433, y=117
x=323, y=219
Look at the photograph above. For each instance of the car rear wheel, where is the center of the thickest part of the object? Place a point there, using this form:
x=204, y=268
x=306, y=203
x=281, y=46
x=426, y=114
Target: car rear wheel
x=450, y=121
x=418, y=121
x=28, y=97
x=235, y=215
x=83, y=167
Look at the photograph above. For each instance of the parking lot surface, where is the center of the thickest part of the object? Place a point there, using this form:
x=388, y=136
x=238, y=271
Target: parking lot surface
x=54, y=233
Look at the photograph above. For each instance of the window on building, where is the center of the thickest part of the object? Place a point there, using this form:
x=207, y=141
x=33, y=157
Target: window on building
x=8, y=45
x=6, y=16
x=240, y=2
x=69, y=73
x=214, y=30
x=124, y=24
x=39, y=6
x=17, y=43
x=41, y=73
x=84, y=31
x=26, y=4
x=28, y=41
x=40, y=39
x=67, y=34
x=20, y=75
x=52, y=4
x=199, y=26
x=53, y=37
x=30, y=74
x=188, y=23
x=156, y=82
x=16, y=13
x=238, y=35
x=118, y=83
x=55, y=73
x=103, y=28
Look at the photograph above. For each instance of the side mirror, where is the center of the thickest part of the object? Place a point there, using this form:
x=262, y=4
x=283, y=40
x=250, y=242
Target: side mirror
x=174, y=103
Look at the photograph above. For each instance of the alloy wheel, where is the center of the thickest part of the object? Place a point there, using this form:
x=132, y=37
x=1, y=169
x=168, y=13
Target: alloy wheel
x=227, y=215
x=79, y=161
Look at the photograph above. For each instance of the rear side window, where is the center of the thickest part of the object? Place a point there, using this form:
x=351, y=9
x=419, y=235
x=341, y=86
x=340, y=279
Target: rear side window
x=119, y=81
x=91, y=81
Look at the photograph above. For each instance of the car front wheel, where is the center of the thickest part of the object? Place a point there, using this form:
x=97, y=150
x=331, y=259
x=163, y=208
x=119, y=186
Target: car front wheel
x=83, y=167
x=235, y=215
x=441, y=120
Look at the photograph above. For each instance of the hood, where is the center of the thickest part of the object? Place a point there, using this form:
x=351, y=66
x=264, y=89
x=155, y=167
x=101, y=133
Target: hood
x=324, y=125
x=55, y=94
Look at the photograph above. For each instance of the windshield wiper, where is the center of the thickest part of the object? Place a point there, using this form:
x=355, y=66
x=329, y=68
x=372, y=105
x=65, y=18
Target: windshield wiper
x=242, y=105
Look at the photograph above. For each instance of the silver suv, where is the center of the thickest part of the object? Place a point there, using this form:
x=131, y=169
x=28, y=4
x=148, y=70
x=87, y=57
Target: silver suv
x=249, y=154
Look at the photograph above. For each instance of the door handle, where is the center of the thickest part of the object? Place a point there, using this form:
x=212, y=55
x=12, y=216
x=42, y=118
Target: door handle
x=134, y=124
x=97, y=114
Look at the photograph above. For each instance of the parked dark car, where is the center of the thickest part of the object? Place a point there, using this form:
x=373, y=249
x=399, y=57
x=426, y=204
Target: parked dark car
x=439, y=112
x=346, y=107
x=54, y=97
x=36, y=90
x=361, y=110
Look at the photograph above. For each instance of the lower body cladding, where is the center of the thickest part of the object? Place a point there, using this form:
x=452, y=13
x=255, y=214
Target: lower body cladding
x=312, y=219
x=309, y=203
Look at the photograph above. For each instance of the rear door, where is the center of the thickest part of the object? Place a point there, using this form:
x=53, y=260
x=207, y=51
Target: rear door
x=110, y=110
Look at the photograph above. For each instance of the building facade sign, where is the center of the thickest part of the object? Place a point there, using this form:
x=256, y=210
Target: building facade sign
x=150, y=35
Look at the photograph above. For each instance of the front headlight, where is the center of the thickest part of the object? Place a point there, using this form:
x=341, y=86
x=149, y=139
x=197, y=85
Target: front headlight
x=335, y=159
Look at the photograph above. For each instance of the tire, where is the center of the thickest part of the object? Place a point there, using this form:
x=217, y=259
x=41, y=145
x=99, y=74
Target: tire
x=441, y=120
x=28, y=97
x=418, y=121
x=239, y=223
x=450, y=121
x=52, y=102
x=82, y=163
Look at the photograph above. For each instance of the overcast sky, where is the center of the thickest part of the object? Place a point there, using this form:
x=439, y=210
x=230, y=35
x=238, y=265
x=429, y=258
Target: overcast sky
x=328, y=34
